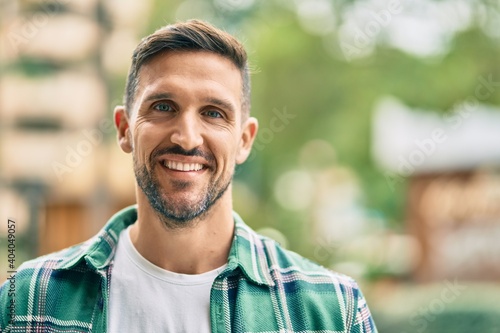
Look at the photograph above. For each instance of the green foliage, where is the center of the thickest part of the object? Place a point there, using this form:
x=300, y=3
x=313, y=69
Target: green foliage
x=334, y=99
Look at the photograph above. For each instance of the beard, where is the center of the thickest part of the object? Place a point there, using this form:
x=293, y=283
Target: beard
x=179, y=212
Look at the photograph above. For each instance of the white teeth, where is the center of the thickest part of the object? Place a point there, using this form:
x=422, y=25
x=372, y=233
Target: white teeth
x=183, y=166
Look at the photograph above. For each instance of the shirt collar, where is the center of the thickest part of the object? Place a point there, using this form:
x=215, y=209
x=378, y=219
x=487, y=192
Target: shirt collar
x=247, y=252
x=99, y=251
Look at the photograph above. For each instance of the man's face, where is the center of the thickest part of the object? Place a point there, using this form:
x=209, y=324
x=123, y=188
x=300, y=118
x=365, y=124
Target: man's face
x=186, y=132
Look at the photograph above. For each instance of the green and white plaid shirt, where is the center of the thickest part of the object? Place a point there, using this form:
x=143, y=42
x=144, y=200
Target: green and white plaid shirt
x=263, y=289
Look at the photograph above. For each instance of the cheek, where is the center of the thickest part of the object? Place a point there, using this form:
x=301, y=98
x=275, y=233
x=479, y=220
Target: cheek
x=225, y=151
x=145, y=141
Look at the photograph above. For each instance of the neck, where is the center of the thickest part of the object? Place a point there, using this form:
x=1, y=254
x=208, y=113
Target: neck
x=196, y=249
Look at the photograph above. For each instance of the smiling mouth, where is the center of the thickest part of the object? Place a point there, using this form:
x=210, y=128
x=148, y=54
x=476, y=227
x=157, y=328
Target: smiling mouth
x=179, y=166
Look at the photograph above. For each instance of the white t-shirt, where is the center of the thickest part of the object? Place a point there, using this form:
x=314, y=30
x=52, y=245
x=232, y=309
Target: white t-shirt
x=146, y=298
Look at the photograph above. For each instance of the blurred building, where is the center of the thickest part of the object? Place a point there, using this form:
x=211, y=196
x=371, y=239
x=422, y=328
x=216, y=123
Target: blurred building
x=61, y=172
x=452, y=162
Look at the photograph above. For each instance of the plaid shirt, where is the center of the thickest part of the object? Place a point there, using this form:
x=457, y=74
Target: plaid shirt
x=263, y=289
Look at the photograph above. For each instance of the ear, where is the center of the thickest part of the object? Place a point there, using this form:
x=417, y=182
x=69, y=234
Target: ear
x=123, y=129
x=248, y=134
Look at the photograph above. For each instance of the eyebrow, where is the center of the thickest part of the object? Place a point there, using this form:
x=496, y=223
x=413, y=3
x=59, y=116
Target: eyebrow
x=158, y=96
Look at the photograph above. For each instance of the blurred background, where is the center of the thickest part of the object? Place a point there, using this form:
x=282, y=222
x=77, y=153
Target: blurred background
x=378, y=152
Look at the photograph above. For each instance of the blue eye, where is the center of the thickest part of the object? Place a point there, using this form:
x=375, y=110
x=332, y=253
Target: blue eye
x=163, y=107
x=214, y=114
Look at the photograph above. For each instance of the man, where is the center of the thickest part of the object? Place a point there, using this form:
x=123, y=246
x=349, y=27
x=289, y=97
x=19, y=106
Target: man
x=181, y=260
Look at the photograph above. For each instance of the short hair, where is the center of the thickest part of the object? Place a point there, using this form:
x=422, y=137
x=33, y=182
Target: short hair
x=192, y=35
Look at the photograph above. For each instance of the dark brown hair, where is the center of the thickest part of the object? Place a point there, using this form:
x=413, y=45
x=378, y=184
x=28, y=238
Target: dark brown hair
x=192, y=35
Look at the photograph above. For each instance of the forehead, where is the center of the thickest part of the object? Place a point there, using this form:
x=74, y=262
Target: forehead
x=195, y=72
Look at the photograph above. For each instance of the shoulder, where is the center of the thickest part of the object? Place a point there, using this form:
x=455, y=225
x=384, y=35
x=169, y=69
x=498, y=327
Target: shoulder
x=94, y=254
x=42, y=267
x=292, y=265
x=270, y=260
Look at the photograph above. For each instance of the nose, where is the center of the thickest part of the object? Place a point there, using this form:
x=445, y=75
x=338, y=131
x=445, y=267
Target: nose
x=187, y=131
